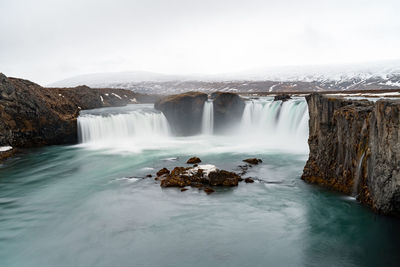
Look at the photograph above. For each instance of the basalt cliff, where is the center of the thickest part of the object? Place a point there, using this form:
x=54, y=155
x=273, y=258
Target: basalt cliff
x=355, y=149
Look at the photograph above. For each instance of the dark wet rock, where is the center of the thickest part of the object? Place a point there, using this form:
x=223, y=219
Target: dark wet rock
x=183, y=112
x=197, y=177
x=194, y=160
x=248, y=180
x=253, y=161
x=223, y=178
x=354, y=148
x=149, y=175
x=162, y=172
x=228, y=110
x=7, y=154
x=209, y=190
x=184, y=189
x=31, y=115
x=282, y=97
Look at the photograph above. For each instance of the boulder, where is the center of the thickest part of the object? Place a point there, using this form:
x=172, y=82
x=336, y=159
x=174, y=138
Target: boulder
x=228, y=110
x=183, y=111
x=209, y=190
x=162, y=172
x=253, y=161
x=223, y=178
x=194, y=160
x=248, y=180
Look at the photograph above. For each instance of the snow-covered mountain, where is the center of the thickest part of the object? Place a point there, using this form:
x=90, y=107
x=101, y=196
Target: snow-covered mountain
x=368, y=76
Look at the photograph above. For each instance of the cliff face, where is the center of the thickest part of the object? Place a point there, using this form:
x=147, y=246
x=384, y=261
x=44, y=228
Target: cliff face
x=228, y=110
x=355, y=149
x=31, y=115
x=184, y=112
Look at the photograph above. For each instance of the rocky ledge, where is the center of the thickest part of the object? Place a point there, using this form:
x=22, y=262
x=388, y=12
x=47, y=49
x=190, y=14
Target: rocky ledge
x=355, y=149
x=184, y=112
x=31, y=115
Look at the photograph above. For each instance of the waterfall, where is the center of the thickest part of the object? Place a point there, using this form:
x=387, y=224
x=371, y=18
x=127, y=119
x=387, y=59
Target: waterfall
x=138, y=125
x=357, y=176
x=207, y=125
x=283, y=122
x=265, y=125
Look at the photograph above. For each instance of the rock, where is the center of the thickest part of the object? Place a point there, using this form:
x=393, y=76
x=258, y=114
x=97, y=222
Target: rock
x=198, y=177
x=228, y=110
x=193, y=160
x=183, y=112
x=248, y=180
x=253, y=161
x=162, y=172
x=209, y=190
x=184, y=189
x=149, y=176
x=282, y=97
x=223, y=178
x=354, y=149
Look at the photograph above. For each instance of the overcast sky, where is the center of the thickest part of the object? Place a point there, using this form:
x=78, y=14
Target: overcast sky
x=49, y=40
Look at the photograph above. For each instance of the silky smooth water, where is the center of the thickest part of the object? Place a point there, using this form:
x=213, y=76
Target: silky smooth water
x=89, y=205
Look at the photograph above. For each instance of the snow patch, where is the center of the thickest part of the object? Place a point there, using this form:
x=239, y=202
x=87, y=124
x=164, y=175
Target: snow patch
x=116, y=95
x=207, y=168
x=5, y=148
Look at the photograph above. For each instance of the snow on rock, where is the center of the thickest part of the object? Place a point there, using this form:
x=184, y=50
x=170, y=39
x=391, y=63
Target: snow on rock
x=207, y=168
x=5, y=148
x=116, y=95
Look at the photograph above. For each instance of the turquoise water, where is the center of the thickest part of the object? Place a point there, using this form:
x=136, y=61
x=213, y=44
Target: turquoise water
x=78, y=206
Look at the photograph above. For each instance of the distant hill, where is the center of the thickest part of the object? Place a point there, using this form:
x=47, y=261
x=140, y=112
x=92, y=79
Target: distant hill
x=368, y=76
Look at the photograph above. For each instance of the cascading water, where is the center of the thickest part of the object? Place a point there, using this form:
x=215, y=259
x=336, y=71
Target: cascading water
x=282, y=122
x=207, y=125
x=265, y=125
x=132, y=127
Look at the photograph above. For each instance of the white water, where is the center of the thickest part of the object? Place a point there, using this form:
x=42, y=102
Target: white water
x=266, y=125
x=207, y=125
x=138, y=127
x=358, y=176
x=283, y=123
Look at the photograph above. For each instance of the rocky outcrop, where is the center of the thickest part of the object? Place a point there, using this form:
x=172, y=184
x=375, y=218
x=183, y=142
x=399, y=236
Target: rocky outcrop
x=355, y=149
x=31, y=115
x=253, y=161
x=228, y=110
x=193, y=160
x=282, y=97
x=183, y=112
x=199, y=176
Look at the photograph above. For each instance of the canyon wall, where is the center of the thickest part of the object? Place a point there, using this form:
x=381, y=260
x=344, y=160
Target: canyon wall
x=355, y=149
